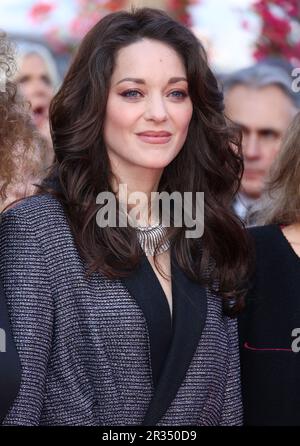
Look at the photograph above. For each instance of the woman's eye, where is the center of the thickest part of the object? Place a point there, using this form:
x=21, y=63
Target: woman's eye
x=23, y=79
x=179, y=94
x=131, y=94
x=137, y=94
x=46, y=80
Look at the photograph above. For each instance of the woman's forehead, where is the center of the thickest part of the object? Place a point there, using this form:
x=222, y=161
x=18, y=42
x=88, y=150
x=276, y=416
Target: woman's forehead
x=148, y=59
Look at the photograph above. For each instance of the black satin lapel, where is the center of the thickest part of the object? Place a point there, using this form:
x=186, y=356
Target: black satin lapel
x=189, y=316
x=144, y=286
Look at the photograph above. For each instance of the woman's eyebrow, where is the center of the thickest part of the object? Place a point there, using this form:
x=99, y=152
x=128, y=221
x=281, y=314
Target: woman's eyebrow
x=172, y=80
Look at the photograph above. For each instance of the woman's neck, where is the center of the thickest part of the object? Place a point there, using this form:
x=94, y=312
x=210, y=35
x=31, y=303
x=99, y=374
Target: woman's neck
x=134, y=187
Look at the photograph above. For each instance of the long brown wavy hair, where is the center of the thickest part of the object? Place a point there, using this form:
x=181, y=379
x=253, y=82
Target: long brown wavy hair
x=210, y=160
x=280, y=202
x=21, y=150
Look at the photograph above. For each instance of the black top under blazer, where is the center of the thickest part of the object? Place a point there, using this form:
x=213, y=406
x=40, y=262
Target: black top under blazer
x=96, y=351
x=270, y=367
x=10, y=371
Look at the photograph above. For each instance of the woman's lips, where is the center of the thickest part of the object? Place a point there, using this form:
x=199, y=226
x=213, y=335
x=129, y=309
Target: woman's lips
x=39, y=115
x=252, y=174
x=155, y=138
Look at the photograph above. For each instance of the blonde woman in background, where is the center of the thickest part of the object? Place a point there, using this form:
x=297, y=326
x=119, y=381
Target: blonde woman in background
x=270, y=323
x=37, y=79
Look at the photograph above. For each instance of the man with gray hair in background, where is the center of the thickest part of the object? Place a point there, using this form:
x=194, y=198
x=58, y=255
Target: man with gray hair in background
x=261, y=101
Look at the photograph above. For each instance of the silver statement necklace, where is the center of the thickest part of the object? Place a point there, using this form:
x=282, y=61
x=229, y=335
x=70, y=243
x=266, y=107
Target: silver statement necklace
x=153, y=237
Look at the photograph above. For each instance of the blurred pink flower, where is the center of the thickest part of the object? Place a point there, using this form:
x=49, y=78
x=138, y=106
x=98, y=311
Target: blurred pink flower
x=277, y=38
x=41, y=11
x=89, y=13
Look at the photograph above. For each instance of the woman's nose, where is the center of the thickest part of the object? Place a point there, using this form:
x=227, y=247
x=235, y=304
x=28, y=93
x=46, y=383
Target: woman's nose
x=156, y=109
x=39, y=88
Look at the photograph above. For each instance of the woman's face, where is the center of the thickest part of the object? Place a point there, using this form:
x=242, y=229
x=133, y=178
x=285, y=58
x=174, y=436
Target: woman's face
x=35, y=85
x=149, y=109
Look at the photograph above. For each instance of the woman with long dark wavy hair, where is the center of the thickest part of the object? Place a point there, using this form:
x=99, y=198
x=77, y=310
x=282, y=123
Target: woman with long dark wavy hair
x=124, y=324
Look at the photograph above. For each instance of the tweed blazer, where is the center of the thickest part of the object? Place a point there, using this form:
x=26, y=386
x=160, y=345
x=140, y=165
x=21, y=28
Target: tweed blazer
x=84, y=343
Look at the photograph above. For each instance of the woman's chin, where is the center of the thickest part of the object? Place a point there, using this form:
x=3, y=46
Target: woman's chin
x=156, y=162
x=157, y=166
x=39, y=121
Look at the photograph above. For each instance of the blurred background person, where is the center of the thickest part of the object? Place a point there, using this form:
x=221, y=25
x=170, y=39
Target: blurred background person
x=37, y=79
x=260, y=100
x=23, y=153
x=270, y=357
x=11, y=129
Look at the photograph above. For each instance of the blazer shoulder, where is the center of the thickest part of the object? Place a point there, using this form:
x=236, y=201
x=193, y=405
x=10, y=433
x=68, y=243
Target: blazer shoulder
x=37, y=210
